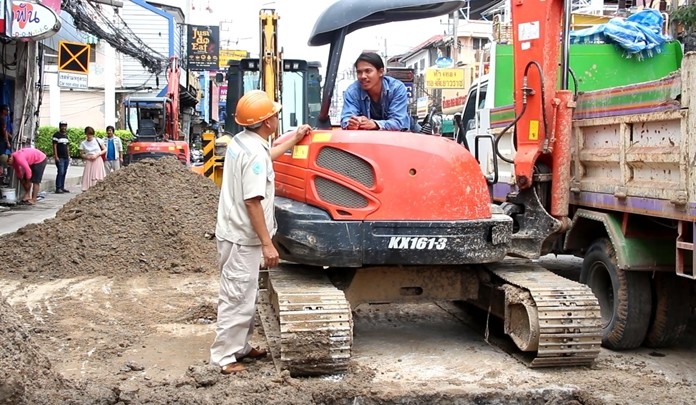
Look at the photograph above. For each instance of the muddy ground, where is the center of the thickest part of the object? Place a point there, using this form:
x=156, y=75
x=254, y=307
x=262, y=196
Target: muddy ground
x=113, y=301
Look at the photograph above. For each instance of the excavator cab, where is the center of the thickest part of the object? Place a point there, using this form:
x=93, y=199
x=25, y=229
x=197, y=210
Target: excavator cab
x=300, y=94
x=146, y=118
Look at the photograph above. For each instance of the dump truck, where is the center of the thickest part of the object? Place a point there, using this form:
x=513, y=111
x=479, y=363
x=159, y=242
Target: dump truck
x=629, y=187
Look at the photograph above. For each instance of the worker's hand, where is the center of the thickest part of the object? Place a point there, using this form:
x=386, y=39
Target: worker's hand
x=366, y=123
x=270, y=255
x=354, y=122
x=302, y=131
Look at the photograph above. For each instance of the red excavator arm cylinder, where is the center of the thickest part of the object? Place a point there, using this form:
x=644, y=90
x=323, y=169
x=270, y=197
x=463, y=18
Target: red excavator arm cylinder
x=173, y=77
x=536, y=26
x=544, y=127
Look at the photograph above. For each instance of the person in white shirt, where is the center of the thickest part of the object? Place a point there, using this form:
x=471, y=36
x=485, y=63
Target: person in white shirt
x=91, y=151
x=245, y=226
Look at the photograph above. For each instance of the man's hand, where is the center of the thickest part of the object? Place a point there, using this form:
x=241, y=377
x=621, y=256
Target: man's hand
x=354, y=122
x=270, y=255
x=366, y=123
x=361, y=122
x=302, y=131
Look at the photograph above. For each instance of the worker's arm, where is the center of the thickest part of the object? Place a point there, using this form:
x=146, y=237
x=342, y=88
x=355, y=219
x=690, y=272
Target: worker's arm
x=351, y=107
x=21, y=163
x=258, y=222
x=294, y=137
x=397, y=110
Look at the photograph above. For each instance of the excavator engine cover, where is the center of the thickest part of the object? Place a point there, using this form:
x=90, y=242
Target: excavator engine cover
x=355, y=198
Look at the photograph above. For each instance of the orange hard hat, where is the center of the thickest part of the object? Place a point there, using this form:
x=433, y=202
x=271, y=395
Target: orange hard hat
x=254, y=107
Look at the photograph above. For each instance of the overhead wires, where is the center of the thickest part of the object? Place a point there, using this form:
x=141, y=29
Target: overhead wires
x=90, y=18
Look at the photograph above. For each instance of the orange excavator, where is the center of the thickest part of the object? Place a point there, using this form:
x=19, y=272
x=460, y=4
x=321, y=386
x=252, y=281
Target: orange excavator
x=154, y=122
x=378, y=216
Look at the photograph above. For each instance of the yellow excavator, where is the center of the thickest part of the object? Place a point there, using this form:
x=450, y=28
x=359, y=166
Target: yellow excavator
x=294, y=83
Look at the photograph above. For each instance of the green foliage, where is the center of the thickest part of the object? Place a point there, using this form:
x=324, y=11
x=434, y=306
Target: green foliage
x=44, y=140
x=685, y=15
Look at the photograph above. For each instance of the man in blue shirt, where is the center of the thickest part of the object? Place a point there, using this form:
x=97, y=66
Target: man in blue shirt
x=375, y=101
x=114, y=151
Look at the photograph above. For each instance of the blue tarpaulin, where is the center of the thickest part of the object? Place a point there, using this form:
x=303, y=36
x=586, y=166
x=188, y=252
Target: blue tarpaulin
x=639, y=35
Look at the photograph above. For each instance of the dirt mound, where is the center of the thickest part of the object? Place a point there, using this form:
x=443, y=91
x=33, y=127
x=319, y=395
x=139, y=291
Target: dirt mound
x=149, y=216
x=25, y=373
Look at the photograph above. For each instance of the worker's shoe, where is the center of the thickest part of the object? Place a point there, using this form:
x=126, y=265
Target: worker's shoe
x=59, y=191
x=254, y=353
x=66, y=191
x=232, y=368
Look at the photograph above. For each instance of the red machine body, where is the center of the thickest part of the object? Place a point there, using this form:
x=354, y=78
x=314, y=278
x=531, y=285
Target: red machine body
x=377, y=176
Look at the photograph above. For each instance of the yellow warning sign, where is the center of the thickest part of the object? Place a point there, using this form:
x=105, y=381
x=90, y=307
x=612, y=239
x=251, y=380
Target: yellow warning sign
x=534, y=130
x=73, y=57
x=300, y=151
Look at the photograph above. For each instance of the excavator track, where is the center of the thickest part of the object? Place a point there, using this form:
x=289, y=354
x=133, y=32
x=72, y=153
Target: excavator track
x=310, y=327
x=568, y=322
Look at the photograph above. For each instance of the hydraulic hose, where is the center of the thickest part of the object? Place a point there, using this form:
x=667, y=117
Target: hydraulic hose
x=525, y=92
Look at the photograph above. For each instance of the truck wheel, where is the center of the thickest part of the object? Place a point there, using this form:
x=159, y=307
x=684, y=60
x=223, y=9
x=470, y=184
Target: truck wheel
x=624, y=297
x=671, y=310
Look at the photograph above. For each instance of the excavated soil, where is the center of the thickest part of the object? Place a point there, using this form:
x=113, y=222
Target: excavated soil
x=114, y=302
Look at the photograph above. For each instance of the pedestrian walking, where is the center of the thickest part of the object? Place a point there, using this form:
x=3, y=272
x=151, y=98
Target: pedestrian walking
x=114, y=151
x=61, y=155
x=92, y=150
x=245, y=225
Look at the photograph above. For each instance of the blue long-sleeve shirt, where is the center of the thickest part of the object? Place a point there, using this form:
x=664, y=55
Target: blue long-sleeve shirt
x=394, y=103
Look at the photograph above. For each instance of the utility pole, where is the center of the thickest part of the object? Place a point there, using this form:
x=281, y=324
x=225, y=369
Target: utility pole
x=455, y=38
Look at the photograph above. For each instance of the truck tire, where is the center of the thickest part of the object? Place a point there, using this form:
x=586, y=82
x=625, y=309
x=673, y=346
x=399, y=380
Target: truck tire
x=625, y=297
x=671, y=310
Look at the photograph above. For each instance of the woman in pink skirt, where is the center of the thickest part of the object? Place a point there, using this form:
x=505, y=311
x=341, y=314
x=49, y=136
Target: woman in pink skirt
x=92, y=150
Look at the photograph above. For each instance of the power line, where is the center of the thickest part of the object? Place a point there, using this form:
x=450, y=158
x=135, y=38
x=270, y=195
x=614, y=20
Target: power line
x=91, y=19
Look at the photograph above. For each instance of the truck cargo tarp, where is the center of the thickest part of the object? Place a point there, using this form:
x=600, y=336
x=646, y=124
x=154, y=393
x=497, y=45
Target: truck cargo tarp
x=640, y=35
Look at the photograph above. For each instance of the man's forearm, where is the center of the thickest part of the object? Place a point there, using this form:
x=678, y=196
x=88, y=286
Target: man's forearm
x=258, y=222
x=279, y=149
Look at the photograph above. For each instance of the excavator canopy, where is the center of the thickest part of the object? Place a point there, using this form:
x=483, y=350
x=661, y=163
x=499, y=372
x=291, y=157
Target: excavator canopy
x=354, y=15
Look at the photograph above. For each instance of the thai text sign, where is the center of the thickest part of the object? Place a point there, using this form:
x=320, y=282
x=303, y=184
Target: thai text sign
x=444, y=78
x=72, y=80
x=32, y=21
x=203, y=47
x=227, y=55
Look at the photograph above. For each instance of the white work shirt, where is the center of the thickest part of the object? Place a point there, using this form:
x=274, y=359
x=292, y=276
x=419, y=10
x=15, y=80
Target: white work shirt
x=247, y=173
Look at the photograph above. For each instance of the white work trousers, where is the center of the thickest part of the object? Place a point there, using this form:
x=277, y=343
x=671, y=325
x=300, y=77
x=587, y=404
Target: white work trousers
x=239, y=273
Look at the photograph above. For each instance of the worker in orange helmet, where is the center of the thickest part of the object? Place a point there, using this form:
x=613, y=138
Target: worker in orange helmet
x=246, y=224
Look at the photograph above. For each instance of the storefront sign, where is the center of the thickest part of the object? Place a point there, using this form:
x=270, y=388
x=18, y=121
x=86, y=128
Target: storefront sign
x=203, y=47
x=453, y=100
x=444, y=78
x=227, y=55
x=32, y=21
